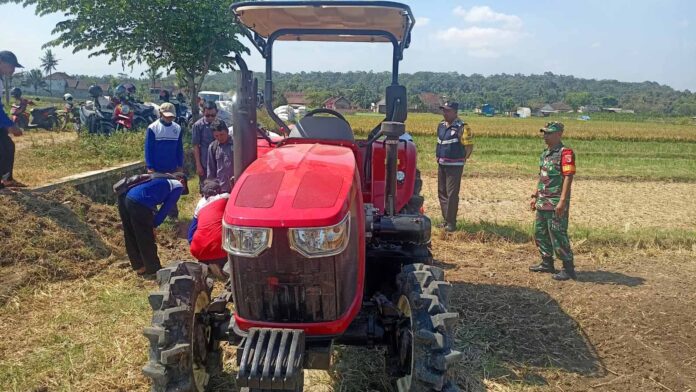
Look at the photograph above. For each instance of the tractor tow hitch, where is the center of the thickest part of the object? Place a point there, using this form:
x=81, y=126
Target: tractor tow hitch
x=272, y=359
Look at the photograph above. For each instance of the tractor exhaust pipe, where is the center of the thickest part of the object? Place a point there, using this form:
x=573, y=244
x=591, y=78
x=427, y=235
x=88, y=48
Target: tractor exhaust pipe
x=244, y=119
x=393, y=131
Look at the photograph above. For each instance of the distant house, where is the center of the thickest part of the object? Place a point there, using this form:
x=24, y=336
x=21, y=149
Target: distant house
x=57, y=82
x=295, y=98
x=523, y=112
x=381, y=106
x=561, y=107
x=431, y=102
x=547, y=109
x=339, y=104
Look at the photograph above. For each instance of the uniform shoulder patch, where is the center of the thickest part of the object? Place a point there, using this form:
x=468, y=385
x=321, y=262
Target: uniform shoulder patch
x=567, y=161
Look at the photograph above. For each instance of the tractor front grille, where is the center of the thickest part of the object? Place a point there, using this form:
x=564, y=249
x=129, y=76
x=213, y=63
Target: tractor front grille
x=282, y=286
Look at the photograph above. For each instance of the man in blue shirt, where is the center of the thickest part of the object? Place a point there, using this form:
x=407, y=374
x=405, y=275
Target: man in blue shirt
x=140, y=216
x=8, y=63
x=164, y=147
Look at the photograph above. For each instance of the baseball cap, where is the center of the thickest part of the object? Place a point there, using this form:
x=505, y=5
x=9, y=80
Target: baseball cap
x=168, y=109
x=10, y=58
x=450, y=105
x=552, y=127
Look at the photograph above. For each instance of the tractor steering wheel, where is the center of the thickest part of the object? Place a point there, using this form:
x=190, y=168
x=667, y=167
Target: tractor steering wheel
x=334, y=113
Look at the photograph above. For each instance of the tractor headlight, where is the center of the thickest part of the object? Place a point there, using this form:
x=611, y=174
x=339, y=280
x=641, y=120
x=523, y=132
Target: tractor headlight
x=246, y=241
x=321, y=241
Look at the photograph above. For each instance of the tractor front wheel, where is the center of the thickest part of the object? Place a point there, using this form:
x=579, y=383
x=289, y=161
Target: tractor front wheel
x=182, y=353
x=424, y=339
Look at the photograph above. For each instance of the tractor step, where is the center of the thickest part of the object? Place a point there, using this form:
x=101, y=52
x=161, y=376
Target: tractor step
x=271, y=359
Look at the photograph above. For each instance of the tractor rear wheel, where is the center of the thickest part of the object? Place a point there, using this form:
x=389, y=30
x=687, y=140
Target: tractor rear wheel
x=415, y=203
x=424, y=338
x=182, y=353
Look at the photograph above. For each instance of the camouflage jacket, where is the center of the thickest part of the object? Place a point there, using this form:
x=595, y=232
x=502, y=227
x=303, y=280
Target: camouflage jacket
x=554, y=164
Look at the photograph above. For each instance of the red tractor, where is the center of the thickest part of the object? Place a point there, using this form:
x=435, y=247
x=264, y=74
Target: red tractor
x=325, y=234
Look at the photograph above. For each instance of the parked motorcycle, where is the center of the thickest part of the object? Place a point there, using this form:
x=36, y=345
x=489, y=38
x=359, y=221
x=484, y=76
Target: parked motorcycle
x=94, y=116
x=45, y=117
x=69, y=117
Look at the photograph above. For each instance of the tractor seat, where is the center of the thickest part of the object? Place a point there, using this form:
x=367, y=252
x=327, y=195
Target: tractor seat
x=327, y=128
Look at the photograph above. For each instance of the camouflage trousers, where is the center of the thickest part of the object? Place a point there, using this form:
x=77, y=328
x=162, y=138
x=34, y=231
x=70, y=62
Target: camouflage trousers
x=551, y=236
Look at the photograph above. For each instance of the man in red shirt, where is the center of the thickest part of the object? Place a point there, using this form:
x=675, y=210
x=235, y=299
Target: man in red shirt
x=205, y=232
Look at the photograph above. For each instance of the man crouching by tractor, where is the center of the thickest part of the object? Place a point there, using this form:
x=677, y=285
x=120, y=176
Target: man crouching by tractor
x=205, y=232
x=137, y=207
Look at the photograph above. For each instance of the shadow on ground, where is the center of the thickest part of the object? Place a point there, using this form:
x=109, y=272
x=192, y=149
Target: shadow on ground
x=511, y=334
x=611, y=278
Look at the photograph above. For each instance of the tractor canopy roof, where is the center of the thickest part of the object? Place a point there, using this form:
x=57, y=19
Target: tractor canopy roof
x=339, y=21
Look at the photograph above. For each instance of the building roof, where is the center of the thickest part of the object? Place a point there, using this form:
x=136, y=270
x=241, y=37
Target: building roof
x=547, y=108
x=561, y=106
x=295, y=98
x=58, y=76
x=333, y=100
x=430, y=99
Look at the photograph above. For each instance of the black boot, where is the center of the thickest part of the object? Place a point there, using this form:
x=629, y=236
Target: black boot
x=546, y=265
x=567, y=273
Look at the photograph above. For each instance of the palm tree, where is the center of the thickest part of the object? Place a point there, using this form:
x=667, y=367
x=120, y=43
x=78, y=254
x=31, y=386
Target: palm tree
x=35, y=79
x=154, y=75
x=49, y=62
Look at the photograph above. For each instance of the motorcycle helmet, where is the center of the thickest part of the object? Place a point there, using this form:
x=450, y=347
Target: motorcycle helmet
x=164, y=96
x=95, y=91
x=120, y=91
x=180, y=97
x=130, y=88
x=67, y=97
x=16, y=92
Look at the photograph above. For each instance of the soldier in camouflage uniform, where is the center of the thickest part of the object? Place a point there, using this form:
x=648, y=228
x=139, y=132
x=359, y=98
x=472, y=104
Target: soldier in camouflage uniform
x=551, y=201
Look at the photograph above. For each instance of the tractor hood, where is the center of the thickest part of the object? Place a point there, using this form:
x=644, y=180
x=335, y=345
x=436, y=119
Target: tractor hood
x=297, y=185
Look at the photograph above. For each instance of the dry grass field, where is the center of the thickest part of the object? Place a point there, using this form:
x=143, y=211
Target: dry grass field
x=71, y=311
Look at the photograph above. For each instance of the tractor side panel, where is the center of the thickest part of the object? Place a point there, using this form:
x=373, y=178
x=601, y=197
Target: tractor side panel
x=406, y=164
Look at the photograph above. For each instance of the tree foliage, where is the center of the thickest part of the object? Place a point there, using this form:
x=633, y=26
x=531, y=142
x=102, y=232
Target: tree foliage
x=503, y=91
x=34, y=79
x=191, y=38
x=49, y=62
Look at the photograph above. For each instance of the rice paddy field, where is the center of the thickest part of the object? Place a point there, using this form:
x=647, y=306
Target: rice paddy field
x=72, y=313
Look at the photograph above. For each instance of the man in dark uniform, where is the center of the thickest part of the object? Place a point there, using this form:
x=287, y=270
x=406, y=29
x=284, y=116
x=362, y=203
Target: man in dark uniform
x=551, y=201
x=454, y=147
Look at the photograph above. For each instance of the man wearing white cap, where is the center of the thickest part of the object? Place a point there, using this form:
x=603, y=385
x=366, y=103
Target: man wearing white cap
x=164, y=148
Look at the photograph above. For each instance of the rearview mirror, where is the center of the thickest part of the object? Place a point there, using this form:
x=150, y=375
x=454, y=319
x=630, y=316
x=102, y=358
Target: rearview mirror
x=397, y=106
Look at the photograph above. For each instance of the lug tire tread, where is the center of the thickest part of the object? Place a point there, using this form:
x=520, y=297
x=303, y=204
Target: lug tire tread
x=170, y=365
x=433, y=329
